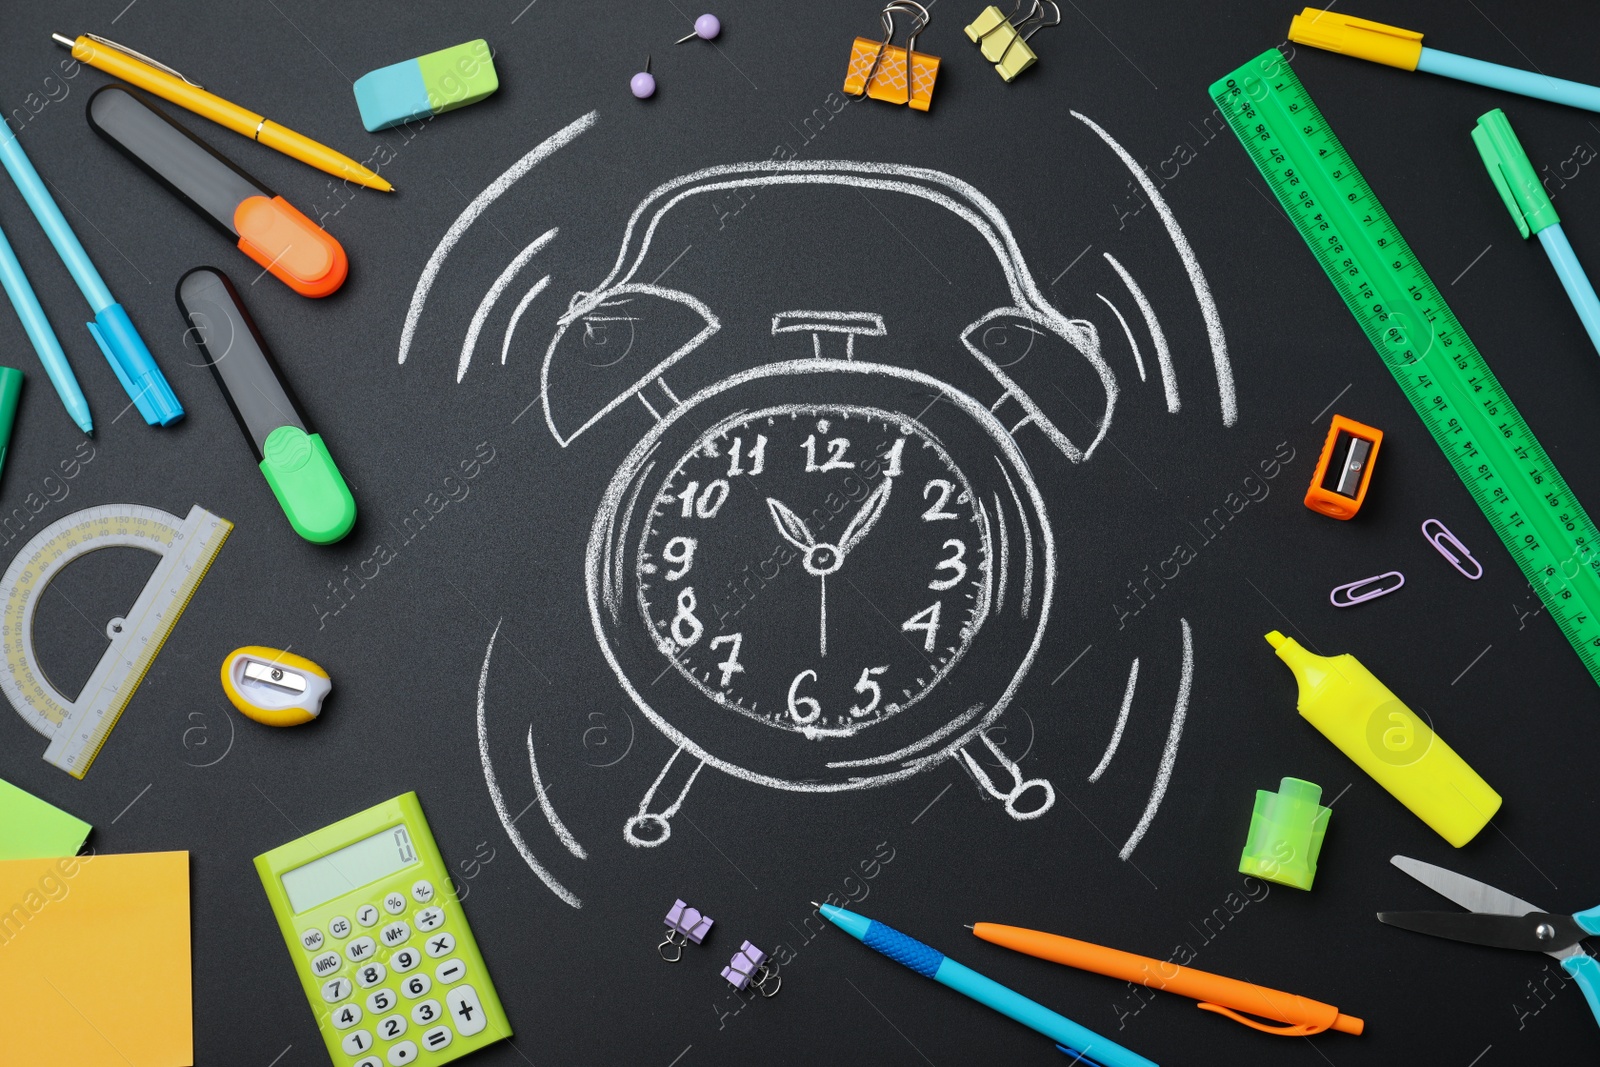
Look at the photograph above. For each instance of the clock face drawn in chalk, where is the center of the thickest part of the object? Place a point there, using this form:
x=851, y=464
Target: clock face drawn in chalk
x=914, y=550
x=772, y=613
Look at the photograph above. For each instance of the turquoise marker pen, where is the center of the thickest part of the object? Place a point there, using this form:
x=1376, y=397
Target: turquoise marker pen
x=113, y=331
x=1524, y=196
x=1088, y=1046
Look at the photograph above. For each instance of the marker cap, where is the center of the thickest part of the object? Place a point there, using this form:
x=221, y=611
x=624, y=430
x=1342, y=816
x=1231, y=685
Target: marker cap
x=291, y=247
x=1362, y=38
x=10, y=395
x=134, y=366
x=1286, y=831
x=1513, y=175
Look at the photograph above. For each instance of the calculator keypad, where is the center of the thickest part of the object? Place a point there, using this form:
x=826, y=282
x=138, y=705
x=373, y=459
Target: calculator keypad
x=398, y=996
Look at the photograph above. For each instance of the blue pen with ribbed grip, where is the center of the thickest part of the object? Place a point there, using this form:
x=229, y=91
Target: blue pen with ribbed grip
x=1088, y=1047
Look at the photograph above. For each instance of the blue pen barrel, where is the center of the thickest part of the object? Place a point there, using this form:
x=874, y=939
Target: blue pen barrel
x=1573, y=279
x=931, y=963
x=1509, y=79
x=1030, y=1013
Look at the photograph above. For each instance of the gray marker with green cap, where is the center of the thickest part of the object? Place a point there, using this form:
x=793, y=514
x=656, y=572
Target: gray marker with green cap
x=293, y=459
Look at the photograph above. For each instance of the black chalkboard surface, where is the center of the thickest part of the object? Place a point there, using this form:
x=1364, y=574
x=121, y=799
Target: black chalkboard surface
x=598, y=378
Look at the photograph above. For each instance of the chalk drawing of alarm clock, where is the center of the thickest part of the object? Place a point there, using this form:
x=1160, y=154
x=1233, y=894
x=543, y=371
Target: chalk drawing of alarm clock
x=827, y=569
x=910, y=532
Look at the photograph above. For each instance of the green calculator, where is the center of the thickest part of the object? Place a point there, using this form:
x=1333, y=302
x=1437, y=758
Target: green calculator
x=380, y=942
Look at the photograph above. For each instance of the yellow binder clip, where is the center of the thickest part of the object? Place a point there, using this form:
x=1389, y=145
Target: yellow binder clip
x=879, y=68
x=1004, y=43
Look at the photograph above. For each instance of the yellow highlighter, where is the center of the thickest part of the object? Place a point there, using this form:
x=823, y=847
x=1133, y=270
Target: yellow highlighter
x=144, y=72
x=1355, y=711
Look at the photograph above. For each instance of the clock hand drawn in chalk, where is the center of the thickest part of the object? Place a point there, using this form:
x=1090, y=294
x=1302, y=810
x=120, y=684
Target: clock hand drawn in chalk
x=790, y=487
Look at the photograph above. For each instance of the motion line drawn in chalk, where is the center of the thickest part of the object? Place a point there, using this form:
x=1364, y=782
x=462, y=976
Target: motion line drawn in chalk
x=1169, y=755
x=1122, y=723
x=497, y=188
x=1169, y=377
x=549, y=811
x=1137, y=358
x=497, y=797
x=486, y=305
x=1191, y=263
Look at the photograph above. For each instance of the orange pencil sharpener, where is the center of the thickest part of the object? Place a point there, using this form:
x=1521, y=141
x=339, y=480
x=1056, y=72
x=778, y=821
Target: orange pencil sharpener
x=1344, y=469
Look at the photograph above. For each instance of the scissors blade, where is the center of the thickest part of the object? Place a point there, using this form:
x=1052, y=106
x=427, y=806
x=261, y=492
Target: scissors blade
x=1533, y=932
x=1467, y=892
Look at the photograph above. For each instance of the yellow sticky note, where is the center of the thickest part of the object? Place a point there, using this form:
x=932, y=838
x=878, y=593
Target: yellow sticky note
x=94, y=961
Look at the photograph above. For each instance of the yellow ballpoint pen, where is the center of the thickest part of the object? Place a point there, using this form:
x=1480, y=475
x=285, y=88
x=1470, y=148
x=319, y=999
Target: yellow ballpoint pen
x=166, y=83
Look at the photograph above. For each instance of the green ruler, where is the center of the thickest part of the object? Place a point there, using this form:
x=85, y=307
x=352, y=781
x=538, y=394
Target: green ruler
x=1422, y=343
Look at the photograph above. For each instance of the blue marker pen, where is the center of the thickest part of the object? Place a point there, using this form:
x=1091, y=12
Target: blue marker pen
x=1088, y=1047
x=113, y=331
x=1519, y=186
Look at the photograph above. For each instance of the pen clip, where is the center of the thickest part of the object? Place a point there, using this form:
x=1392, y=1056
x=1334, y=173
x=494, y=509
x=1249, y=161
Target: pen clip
x=108, y=42
x=1292, y=1030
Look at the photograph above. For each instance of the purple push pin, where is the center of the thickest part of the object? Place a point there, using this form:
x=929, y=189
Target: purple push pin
x=643, y=84
x=684, y=924
x=749, y=966
x=706, y=27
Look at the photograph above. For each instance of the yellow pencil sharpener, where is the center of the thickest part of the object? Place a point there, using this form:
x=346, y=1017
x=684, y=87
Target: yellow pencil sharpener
x=274, y=687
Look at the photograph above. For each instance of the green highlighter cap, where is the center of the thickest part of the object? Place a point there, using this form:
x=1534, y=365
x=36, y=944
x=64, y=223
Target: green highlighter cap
x=293, y=459
x=1513, y=175
x=1286, y=831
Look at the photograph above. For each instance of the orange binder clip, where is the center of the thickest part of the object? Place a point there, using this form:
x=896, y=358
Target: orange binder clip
x=878, y=68
x=1345, y=469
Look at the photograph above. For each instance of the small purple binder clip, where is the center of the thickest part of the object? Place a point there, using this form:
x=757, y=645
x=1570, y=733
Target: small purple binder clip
x=749, y=967
x=684, y=924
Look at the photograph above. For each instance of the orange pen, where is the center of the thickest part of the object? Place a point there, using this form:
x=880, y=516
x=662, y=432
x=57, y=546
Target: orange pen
x=1225, y=996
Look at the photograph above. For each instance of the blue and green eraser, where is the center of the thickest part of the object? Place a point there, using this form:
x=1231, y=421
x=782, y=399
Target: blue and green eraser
x=427, y=85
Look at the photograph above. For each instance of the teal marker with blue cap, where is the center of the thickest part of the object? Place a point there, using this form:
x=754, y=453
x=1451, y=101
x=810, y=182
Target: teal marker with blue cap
x=113, y=331
x=1084, y=1045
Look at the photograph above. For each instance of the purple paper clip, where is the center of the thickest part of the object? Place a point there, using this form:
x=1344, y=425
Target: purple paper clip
x=749, y=966
x=684, y=924
x=1348, y=596
x=1451, y=548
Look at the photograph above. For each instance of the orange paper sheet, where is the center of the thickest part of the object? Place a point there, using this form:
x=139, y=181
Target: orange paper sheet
x=94, y=961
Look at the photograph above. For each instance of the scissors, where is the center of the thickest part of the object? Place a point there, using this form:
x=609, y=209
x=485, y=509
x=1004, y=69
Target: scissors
x=1500, y=920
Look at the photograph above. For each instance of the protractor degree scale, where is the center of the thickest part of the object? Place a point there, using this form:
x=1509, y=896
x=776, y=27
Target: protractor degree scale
x=78, y=727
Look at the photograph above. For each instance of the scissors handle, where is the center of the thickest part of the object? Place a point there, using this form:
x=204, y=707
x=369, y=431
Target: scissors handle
x=1589, y=920
x=1586, y=969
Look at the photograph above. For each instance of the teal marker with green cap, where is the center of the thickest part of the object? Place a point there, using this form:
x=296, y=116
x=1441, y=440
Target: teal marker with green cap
x=1524, y=196
x=428, y=85
x=293, y=459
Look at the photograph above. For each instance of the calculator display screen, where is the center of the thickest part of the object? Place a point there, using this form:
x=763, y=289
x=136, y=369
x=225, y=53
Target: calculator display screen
x=351, y=867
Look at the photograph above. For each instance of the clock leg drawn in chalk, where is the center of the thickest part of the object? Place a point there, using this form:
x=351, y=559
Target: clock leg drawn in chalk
x=795, y=566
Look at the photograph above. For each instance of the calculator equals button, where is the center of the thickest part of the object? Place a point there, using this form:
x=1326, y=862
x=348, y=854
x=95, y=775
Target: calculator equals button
x=465, y=1010
x=437, y=1038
